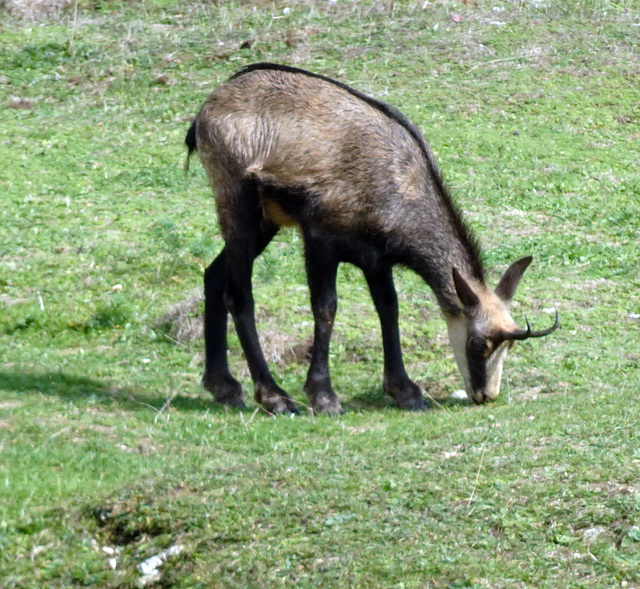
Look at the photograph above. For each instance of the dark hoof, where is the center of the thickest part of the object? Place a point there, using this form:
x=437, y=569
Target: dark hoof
x=322, y=398
x=327, y=404
x=407, y=395
x=275, y=401
x=225, y=390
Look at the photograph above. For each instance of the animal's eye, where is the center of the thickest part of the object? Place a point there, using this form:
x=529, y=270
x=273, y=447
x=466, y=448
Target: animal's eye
x=479, y=347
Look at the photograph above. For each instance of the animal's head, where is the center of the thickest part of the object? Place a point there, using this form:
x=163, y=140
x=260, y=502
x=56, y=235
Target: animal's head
x=483, y=333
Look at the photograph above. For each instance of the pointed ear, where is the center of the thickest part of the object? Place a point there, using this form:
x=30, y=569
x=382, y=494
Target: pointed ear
x=509, y=282
x=467, y=297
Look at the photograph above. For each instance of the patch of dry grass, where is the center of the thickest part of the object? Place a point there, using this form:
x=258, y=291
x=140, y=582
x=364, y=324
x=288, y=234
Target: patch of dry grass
x=36, y=9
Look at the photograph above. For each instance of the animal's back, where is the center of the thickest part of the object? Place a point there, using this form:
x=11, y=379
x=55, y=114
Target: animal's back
x=362, y=163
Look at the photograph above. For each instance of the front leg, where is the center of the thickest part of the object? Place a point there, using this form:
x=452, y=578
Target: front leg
x=322, y=269
x=397, y=384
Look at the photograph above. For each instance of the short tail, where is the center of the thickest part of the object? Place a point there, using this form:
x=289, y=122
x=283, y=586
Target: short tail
x=190, y=141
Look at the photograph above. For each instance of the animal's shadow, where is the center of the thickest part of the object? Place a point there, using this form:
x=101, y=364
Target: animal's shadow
x=80, y=388
x=375, y=399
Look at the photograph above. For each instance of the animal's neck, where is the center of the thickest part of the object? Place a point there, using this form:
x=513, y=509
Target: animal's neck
x=437, y=239
x=433, y=256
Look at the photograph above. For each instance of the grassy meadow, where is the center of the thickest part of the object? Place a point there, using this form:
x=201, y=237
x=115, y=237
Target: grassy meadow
x=111, y=452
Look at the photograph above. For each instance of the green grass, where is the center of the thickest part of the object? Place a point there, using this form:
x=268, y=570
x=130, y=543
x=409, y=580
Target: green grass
x=110, y=452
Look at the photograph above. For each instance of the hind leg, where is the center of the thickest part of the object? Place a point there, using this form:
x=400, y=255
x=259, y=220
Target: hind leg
x=246, y=237
x=217, y=379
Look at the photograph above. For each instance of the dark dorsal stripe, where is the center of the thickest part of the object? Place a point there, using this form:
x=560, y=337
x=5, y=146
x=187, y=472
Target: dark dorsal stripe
x=467, y=239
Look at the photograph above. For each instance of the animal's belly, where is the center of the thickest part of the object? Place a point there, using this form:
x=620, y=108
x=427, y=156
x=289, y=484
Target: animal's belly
x=275, y=213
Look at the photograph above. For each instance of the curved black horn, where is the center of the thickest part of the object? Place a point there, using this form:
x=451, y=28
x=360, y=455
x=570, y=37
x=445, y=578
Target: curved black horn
x=523, y=334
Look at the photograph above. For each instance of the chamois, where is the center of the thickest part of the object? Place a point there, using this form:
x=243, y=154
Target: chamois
x=283, y=146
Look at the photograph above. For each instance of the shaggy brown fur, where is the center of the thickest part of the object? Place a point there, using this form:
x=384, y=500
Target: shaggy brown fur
x=282, y=146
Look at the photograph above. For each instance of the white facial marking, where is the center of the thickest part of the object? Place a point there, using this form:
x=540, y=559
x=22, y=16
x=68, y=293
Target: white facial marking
x=494, y=370
x=458, y=333
x=457, y=327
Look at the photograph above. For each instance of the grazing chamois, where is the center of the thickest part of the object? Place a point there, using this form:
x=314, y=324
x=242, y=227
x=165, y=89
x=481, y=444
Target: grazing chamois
x=282, y=146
